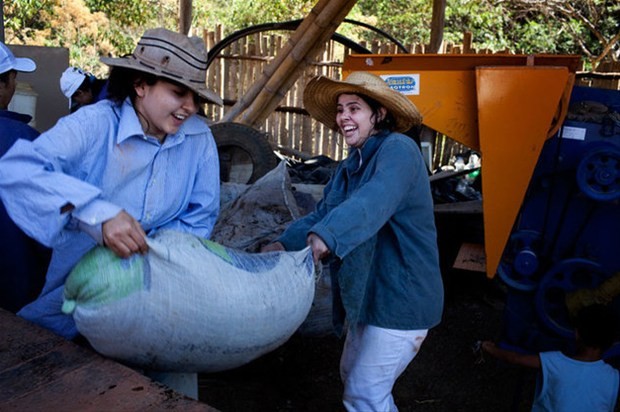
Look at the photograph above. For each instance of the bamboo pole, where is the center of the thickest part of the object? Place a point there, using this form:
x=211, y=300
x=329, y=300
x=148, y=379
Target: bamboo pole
x=304, y=54
x=277, y=77
x=267, y=72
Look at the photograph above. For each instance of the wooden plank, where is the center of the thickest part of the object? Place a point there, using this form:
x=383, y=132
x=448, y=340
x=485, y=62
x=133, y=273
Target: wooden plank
x=461, y=208
x=34, y=373
x=471, y=257
x=19, y=344
x=42, y=371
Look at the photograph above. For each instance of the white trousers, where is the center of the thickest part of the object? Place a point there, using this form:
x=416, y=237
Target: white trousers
x=372, y=359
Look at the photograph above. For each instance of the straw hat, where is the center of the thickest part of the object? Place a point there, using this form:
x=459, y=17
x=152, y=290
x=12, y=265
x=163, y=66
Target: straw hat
x=173, y=56
x=321, y=95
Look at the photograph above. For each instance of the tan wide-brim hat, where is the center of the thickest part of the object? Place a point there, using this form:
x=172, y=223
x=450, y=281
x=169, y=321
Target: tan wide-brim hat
x=321, y=96
x=173, y=56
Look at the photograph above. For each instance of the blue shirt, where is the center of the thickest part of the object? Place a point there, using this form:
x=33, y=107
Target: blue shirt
x=23, y=261
x=377, y=216
x=13, y=126
x=99, y=160
x=570, y=385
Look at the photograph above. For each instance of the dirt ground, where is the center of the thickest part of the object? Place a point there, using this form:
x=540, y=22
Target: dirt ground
x=302, y=375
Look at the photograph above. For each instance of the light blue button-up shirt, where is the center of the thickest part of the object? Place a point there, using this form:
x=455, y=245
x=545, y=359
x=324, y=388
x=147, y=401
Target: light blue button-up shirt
x=99, y=160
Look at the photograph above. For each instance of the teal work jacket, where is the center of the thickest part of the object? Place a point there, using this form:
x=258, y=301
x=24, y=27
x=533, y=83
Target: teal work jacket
x=376, y=217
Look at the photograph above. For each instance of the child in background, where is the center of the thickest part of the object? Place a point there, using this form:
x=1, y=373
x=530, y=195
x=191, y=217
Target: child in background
x=580, y=381
x=82, y=88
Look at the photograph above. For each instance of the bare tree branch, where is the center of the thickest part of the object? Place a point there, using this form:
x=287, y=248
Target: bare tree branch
x=607, y=49
x=569, y=11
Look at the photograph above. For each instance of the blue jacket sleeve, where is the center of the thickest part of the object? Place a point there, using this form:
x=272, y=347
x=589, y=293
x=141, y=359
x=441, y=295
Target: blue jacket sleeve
x=294, y=237
x=369, y=207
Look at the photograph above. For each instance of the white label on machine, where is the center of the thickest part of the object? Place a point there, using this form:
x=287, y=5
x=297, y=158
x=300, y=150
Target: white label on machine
x=576, y=133
x=405, y=83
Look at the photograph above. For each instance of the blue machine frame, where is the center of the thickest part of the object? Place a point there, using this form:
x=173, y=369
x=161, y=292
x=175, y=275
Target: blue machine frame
x=565, y=245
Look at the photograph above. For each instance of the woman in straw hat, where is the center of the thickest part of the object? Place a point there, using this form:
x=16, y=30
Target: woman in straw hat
x=119, y=169
x=376, y=221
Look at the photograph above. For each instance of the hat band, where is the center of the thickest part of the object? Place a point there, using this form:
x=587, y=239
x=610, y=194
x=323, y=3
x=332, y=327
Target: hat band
x=173, y=48
x=167, y=73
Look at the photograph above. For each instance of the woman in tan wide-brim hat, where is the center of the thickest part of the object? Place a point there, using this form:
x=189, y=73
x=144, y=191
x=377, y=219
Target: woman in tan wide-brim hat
x=321, y=94
x=114, y=171
x=375, y=225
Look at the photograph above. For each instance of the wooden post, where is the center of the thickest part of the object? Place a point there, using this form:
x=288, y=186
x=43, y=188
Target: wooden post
x=467, y=42
x=2, y=21
x=437, y=25
x=185, y=16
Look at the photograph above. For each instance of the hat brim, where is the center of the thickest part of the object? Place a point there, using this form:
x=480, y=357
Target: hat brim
x=321, y=97
x=198, y=87
x=24, y=64
x=73, y=87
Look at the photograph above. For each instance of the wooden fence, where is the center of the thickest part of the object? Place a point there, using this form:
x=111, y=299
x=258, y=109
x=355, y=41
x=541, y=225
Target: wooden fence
x=289, y=127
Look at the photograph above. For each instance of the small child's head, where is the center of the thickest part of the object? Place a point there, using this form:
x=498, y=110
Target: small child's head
x=596, y=326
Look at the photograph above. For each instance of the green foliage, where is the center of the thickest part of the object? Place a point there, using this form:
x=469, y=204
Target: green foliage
x=407, y=21
x=126, y=12
x=90, y=28
x=237, y=14
x=23, y=17
x=532, y=36
x=523, y=26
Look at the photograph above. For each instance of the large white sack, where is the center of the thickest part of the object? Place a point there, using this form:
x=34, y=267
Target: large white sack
x=189, y=304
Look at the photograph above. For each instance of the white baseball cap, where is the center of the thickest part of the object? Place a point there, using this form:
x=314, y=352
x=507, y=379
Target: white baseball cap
x=9, y=62
x=71, y=80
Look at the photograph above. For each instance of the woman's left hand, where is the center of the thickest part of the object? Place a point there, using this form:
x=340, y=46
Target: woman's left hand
x=124, y=236
x=319, y=248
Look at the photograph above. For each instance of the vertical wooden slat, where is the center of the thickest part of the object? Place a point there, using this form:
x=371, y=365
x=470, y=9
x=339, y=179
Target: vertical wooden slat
x=219, y=78
x=467, y=42
x=241, y=50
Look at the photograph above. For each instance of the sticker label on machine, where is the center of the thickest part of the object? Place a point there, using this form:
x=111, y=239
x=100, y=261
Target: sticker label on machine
x=575, y=133
x=408, y=84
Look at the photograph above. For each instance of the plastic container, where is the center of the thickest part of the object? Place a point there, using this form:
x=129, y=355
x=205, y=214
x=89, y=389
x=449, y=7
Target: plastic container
x=25, y=101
